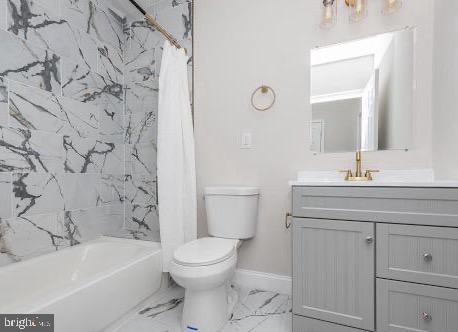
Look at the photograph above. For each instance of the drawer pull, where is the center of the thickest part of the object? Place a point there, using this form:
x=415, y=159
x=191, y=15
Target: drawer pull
x=428, y=257
x=426, y=317
x=369, y=240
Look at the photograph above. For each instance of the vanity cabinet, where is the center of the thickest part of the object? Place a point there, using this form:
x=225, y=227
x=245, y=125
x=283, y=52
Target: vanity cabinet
x=379, y=259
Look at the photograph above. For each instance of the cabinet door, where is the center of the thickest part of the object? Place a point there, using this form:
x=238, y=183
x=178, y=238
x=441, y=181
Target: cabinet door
x=333, y=271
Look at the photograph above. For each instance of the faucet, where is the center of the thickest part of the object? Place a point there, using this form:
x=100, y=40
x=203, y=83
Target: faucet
x=358, y=172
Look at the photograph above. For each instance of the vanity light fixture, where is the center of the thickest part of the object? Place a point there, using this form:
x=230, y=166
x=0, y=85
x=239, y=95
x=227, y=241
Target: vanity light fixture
x=391, y=6
x=358, y=9
x=329, y=16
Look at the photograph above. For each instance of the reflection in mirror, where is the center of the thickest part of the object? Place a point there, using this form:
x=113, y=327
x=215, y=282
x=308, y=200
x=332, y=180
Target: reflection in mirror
x=361, y=94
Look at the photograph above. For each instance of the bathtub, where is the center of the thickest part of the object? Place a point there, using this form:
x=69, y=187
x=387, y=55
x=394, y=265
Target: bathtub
x=86, y=287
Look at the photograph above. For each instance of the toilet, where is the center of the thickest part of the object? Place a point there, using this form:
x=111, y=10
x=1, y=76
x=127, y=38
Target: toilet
x=205, y=267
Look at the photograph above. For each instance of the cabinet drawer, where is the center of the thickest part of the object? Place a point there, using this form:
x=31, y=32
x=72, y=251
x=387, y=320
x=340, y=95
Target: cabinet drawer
x=421, y=254
x=304, y=324
x=403, y=307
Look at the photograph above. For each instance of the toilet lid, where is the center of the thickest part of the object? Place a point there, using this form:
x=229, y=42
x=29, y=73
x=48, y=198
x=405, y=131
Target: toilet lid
x=205, y=251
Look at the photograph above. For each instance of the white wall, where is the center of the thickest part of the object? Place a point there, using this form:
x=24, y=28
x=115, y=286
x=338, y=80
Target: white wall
x=240, y=45
x=445, y=139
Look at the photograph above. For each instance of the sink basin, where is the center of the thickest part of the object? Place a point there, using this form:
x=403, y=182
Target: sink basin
x=386, y=178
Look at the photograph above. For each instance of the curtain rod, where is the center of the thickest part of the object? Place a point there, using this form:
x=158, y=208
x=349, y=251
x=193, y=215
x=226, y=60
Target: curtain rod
x=151, y=20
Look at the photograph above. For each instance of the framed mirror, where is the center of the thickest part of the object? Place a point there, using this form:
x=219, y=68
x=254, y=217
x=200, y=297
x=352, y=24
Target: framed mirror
x=361, y=94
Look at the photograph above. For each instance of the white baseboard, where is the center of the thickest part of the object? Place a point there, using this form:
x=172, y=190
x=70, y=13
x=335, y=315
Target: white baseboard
x=265, y=281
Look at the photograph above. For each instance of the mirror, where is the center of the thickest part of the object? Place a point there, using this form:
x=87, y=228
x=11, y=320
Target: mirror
x=361, y=94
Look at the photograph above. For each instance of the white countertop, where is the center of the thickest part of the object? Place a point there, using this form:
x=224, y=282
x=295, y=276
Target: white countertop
x=388, y=178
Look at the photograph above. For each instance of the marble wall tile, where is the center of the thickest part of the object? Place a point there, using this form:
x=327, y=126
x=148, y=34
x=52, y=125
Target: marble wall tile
x=142, y=68
x=176, y=17
x=37, y=193
x=92, y=156
x=30, y=21
x=5, y=192
x=142, y=217
x=112, y=124
x=41, y=110
x=141, y=112
x=3, y=102
x=86, y=225
x=95, y=19
x=26, y=150
x=80, y=191
x=141, y=190
x=3, y=9
x=35, y=66
x=141, y=127
x=140, y=53
x=30, y=236
x=112, y=189
x=91, y=88
x=142, y=222
x=110, y=63
x=81, y=84
x=144, y=158
x=53, y=6
x=38, y=25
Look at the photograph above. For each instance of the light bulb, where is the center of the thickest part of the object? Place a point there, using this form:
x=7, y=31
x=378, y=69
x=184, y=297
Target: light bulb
x=329, y=15
x=391, y=6
x=358, y=10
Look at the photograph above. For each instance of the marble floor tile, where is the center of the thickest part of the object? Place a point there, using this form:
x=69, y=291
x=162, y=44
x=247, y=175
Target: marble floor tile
x=255, y=311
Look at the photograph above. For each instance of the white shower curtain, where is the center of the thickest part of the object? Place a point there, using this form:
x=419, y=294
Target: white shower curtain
x=175, y=156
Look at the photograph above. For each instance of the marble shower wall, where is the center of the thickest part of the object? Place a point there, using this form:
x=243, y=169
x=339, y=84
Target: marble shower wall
x=142, y=67
x=61, y=125
x=78, y=118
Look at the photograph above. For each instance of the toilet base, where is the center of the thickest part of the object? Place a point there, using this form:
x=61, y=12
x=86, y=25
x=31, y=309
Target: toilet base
x=208, y=310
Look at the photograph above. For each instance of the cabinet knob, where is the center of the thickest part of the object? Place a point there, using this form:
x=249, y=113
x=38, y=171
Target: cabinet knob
x=426, y=317
x=428, y=257
x=369, y=239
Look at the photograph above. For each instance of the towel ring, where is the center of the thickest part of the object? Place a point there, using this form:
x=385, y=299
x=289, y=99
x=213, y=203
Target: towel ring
x=263, y=89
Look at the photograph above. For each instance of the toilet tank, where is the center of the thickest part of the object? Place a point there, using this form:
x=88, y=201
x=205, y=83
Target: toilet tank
x=232, y=212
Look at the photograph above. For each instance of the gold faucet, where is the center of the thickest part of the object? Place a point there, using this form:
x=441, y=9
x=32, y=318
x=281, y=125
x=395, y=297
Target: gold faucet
x=358, y=172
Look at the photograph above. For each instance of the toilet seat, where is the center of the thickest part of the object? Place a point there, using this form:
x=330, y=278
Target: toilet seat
x=205, y=251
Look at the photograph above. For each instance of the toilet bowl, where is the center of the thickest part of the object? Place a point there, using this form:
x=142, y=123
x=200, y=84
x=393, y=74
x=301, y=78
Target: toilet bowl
x=205, y=267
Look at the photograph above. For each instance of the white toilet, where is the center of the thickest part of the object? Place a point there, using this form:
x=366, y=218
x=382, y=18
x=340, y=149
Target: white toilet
x=204, y=267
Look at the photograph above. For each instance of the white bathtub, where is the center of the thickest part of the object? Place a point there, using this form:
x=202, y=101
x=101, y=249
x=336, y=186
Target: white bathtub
x=87, y=286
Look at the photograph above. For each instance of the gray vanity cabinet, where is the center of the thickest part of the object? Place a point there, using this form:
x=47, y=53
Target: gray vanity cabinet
x=333, y=269
x=381, y=259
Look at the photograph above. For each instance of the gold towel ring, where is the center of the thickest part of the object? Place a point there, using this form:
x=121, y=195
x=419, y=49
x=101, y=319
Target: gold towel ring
x=264, y=89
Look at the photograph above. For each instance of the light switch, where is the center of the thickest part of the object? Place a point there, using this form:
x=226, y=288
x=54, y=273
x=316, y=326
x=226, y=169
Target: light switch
x=246, y=141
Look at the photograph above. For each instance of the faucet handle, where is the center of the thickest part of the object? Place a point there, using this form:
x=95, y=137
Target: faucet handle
x=348, y=175
x=369, y=173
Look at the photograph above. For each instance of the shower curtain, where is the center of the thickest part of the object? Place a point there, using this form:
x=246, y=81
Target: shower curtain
x=175, y=156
